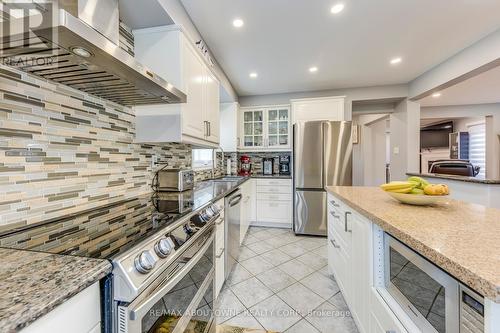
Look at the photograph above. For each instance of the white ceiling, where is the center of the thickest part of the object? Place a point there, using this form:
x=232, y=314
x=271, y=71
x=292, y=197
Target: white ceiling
x=281, y=39
x=481, y=89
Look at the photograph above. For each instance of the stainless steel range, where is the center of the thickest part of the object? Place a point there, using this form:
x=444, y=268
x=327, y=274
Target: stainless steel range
x=163, y=258
x=167, y=280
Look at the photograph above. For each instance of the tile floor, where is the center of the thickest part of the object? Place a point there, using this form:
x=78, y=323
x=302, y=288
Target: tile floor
x=281, y=283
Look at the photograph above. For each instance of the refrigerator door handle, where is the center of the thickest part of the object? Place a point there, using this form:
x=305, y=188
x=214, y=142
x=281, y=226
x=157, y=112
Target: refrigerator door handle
x=323, y=155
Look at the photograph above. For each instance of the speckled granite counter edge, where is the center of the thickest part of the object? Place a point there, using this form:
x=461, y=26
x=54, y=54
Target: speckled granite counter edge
x=457, y=178
x=23, y=312
x=469, y=278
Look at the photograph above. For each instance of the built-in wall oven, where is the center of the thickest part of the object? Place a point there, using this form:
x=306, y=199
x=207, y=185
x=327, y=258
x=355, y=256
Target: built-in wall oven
x=434, y=300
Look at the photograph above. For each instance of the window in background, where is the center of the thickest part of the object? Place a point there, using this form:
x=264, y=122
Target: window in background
x=477, y=146
x=203, y=158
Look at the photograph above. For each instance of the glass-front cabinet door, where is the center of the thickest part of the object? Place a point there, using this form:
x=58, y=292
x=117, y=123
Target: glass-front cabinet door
x=267, y=127
x=253, y=128
x=278, y=124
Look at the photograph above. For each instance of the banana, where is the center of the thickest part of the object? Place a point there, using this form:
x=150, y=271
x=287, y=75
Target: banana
x=417, y=191
x=437, y=189
x=397, y=185
x=422, y=183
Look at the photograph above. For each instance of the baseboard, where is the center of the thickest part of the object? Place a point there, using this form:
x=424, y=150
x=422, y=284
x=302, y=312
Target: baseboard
x=271, y=224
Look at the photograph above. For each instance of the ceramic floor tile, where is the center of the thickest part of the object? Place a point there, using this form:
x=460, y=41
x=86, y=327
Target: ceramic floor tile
x=277, y=231
x=296, y=269
x=262, y=235
x=238, y=275
x=244, y=320
x=339, y=302
x=251, y=291
x=256, y=265
x=311, y=243
x=277, y=241
x=276, y=257
x=313, y=260
x=325, y=272
x=321, y=285
x=300, y=298
x=302, y=326
x=249, y=239
x=327, y=318
x=245, y=253
x=276, y=279
x=274, y=314
x=227, y=306
x=293, y=250
x=322, y=251
x=260, y=247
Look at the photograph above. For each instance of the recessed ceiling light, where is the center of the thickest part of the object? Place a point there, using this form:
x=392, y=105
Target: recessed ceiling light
x=436, y=95
x=238, y=23
x=337, y=8
x=396, y=61
x=253, y=75
x=313, y=69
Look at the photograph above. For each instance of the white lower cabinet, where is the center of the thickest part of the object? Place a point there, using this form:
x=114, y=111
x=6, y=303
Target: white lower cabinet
x=350, y=260
x=247, y=205
x=79, y=314
x=273, y=202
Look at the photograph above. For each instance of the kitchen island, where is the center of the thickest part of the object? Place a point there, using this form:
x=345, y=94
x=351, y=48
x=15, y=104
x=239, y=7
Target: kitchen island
x=460, y=238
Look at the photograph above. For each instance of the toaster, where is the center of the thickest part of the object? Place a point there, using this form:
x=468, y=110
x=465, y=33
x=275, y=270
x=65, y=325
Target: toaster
x=175, y=180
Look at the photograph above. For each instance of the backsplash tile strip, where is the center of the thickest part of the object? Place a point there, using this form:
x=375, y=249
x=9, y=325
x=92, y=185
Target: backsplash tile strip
x=63, y=151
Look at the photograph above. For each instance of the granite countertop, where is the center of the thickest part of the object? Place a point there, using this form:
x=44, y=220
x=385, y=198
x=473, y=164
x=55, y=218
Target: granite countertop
x=34, y=283
x=454, y=177
x=462, y=238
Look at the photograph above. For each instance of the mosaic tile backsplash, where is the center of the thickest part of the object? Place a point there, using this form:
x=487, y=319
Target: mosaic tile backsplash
x=63, y=151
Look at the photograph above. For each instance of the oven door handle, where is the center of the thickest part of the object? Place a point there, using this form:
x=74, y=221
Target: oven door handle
x=138, y=308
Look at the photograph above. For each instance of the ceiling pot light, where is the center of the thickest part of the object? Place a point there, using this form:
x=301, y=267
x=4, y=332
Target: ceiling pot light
x=253, y=75
x=313, y=69
x=436, y=95
x=81, y=52
x=395, y=61
x=337, y=8
x=238, y=23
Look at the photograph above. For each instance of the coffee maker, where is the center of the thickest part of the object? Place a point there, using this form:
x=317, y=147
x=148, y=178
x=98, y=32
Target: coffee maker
x=284, y=165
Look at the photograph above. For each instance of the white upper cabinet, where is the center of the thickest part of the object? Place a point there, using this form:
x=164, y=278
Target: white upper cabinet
x=170, y=53
x=229, y=116
x=324, y=108
x=265, y=128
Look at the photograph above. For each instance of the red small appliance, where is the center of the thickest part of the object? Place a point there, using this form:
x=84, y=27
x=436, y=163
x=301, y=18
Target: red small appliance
x=245, y=166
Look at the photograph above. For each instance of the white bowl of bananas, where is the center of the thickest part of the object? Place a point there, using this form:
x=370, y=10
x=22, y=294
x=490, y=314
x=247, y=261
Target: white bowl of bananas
x=417, y=191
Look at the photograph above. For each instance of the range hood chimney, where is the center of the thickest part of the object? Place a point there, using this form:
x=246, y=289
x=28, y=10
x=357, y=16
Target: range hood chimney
x=76, y=44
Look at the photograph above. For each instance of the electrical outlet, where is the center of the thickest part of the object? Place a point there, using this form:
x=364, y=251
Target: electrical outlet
x=154, y=161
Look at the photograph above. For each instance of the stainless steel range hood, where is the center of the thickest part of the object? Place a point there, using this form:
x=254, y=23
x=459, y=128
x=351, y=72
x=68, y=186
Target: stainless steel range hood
x=70, y=51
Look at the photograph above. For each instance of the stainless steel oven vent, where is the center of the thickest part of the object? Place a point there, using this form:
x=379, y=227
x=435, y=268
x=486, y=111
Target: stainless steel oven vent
x=70, y=51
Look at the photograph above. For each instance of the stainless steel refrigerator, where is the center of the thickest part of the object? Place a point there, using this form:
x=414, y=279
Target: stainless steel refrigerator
x=322, y=155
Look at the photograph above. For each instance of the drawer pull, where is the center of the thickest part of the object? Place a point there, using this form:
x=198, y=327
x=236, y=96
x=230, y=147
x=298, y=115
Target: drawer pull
x=334, y=204
x=334, y=215
x=334, y=244
x=345, y=222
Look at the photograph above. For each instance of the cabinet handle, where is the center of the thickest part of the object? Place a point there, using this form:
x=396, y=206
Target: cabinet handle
x=345, y=222
x=334, y=204
x=209, y=129
x=390, y=331
x=334, y=215
x=220, y=255
x=205, y=128
x=334, y=244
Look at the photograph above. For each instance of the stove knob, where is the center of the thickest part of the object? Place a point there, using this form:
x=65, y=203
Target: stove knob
x=144, y=262
x=163, y=247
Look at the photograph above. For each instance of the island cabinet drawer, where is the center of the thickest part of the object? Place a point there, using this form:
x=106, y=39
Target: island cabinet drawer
x=337, y=224
x=274, y=211
x=274, y=197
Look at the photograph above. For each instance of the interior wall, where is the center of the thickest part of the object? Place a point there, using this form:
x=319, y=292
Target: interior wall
x=352, y=94
x=369, y=154
x=405, y=139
